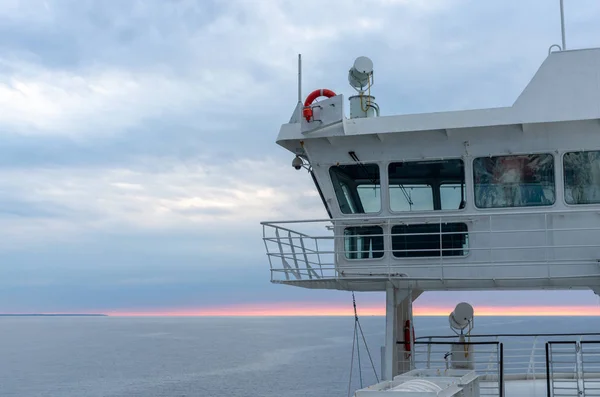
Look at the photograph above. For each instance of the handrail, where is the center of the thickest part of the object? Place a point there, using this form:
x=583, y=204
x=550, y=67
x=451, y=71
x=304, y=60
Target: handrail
x=451, y=343
x=436, y=214
x=473, y=232
x=490, y=372
x=514, y=335
x=570, y=374
x=488, y=242
x=561, y=363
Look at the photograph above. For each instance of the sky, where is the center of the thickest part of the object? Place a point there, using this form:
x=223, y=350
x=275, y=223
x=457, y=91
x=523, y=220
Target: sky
x=137, y=138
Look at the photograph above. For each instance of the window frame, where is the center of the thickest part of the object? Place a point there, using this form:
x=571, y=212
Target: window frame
x=522, y=207
x=563, y=180
x=384, y=237
x=335, y=196
x=467, y=251
x=466, y=174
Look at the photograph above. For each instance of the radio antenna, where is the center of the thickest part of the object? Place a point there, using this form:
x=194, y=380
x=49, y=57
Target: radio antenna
x=299, y=87
x=562, y=25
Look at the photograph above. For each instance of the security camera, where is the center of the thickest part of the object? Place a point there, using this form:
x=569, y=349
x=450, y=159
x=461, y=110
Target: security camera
x=297, y=163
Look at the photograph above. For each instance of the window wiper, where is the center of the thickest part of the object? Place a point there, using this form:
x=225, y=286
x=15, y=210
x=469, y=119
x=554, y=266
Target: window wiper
x=365, y=169
x=406, y=195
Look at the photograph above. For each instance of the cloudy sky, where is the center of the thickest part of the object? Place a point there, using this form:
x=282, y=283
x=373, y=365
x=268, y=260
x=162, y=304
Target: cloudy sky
x=137, y=152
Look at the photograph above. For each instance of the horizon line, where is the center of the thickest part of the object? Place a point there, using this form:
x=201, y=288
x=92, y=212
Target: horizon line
x=312, y=309
x=270, y=315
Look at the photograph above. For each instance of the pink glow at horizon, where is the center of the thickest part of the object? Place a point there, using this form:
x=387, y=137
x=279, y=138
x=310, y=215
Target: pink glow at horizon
x=314, y=309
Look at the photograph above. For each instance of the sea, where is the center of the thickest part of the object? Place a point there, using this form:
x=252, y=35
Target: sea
x=212, y=356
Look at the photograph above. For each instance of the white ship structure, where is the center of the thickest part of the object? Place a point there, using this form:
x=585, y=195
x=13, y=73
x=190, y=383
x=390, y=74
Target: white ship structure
x=489, y=199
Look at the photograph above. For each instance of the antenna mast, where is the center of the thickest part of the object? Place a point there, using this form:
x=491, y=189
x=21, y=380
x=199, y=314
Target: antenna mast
x=299, y=78
x=299, y=87
x=562, y=25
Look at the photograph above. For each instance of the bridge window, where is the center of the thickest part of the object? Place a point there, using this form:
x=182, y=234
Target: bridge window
x=582, y=177
x=427, y=185
x=357, y=188
x=452, y=196
x=414, y=241
x=411, y=197
x=363, y=242
x=514, y=181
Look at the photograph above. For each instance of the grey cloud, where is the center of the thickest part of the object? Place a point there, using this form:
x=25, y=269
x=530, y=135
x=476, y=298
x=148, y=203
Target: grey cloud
x=442, y=66
x=161, y=138
x=205, y=211
x=81, y=33
x=448, y=67
x=22, y=207
x=125, y=272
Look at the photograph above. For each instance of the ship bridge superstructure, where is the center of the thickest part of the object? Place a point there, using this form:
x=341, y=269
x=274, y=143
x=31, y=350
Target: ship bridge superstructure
x=488, y=199
x=501, y=198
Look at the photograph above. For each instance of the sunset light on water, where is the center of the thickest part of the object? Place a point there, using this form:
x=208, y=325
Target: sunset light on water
x=303, y=309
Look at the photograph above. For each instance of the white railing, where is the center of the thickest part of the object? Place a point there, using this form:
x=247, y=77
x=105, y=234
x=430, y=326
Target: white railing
x=590, y=364
x=536, y=244
x=297, y=255
x=569, y=363
x=486, y=360
x=573, y=368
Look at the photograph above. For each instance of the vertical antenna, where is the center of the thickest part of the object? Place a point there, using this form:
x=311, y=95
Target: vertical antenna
x=299, y=87
x=299, y=77
x=562, y=25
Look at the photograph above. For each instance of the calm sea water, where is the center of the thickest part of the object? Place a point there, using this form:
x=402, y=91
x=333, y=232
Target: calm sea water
x=283, y=357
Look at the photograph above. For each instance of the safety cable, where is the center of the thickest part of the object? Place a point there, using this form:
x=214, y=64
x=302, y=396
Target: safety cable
x=356, y=342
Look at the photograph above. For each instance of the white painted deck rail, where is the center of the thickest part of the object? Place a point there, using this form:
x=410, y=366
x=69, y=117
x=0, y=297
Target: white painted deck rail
x=568, y=364
x=512, y=245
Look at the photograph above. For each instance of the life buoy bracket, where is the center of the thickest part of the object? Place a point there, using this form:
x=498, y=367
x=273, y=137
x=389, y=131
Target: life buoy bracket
x=307, y=112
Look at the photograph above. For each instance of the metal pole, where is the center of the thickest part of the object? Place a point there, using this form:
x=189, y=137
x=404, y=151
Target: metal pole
x=548, y=384
x=391, y=336
x=501, y=371
x=299, y=77
x=562, y=25
x=411, y=333
x=299, y=87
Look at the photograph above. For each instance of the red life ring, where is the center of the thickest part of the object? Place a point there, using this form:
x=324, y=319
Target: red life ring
x=307, y=111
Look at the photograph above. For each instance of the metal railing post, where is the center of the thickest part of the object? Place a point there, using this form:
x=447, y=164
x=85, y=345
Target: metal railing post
x=548, y=381
x=579, y=368
x=441, y=248
x=283, y=262
x=294, y=256
x=501, y=371
x=546, y=243
x=531, y=367
x=429, y=353
x=267, y=250
x=391, y=248
x=490, y=239
x=489, y=368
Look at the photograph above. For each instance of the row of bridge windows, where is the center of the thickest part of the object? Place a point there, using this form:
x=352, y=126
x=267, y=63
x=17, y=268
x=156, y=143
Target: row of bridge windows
x=499, y=182
x=408, y=241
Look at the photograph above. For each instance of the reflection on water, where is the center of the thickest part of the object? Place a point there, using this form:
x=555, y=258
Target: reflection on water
x=207, y=356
